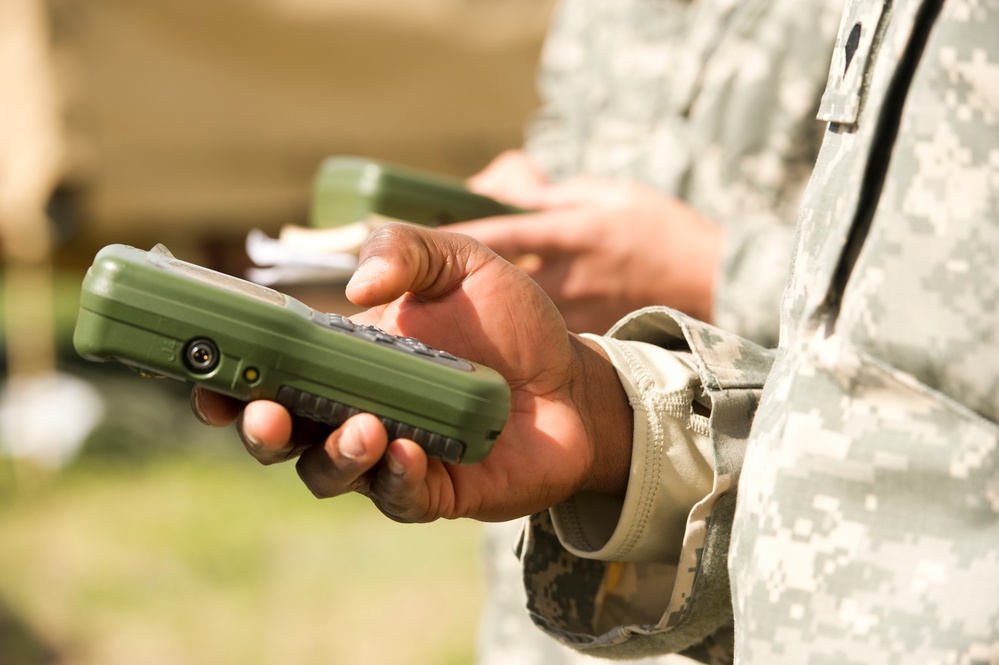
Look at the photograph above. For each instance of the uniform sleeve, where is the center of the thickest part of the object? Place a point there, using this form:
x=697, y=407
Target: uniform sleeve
x=547, y=137
x=765, y=185
x=648, y=574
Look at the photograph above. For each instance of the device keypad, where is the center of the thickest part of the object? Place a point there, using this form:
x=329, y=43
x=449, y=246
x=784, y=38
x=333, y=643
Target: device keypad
x=409, y=345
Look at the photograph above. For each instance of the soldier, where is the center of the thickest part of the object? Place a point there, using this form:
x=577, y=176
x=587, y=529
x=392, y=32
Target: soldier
x=846, y=511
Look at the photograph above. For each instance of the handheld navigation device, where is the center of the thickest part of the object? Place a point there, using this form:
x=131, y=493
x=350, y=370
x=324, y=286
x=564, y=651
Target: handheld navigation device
x=166, y=317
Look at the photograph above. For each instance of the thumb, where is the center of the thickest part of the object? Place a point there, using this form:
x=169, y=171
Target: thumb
x=400, y=258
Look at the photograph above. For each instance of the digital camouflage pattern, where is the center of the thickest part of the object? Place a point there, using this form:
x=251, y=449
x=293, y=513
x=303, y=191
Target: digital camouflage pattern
x=871, y=528
x=867, y=521
x=712, y=101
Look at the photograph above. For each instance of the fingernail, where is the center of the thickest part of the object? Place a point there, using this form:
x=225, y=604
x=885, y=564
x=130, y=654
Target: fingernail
x=241, y=428
x=368, y=270
x=394, y=465
x=351, y=445
x=196, y=408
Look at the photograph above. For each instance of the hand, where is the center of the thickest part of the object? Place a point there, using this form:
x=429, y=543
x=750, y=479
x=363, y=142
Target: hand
x=511, y=177
x=603, y=248
x=569, y=428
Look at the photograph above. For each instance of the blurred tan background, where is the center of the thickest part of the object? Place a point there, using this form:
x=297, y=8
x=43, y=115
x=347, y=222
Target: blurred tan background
x=189, y=122
x=212, y=116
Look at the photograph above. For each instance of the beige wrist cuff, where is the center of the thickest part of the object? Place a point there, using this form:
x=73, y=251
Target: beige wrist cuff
x=670, y=467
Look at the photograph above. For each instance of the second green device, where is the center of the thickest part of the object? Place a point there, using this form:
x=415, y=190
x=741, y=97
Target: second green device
x=354, y=189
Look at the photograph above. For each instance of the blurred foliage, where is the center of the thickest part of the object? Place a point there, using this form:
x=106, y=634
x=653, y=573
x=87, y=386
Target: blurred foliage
x=188, y=551
x=66, y=296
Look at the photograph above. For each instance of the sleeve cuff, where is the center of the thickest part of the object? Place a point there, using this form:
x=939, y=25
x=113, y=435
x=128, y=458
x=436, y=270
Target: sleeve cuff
x=671, y=467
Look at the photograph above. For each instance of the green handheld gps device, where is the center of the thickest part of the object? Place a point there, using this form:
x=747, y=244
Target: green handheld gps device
x=352, y=189
x=167, y=317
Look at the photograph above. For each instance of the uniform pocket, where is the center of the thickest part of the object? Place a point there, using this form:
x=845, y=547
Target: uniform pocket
x=922, y=452
x=870, y=512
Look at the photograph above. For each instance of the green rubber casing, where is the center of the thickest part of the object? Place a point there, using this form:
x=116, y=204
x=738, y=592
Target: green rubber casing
x=352, y=189
x=167, y=317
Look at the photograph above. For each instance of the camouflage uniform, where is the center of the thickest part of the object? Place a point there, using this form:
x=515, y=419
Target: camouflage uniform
x=712, y=101
x=866, y=528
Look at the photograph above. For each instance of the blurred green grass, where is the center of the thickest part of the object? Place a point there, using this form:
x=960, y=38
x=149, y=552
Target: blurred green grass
x=165, y=543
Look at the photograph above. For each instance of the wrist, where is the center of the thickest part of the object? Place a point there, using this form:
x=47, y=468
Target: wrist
x=606, y=415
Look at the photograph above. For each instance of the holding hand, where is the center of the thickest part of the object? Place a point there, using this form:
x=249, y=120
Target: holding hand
x=602, y=248
x=569, y=428
x=511, y=177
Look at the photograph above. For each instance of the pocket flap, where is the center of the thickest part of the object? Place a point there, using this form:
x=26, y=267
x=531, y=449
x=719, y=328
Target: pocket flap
x=853, y=52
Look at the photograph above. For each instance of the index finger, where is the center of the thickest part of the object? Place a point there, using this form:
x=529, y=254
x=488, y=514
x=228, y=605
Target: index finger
x=515, y=236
